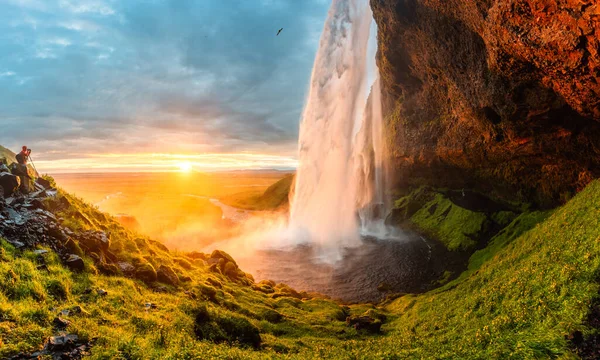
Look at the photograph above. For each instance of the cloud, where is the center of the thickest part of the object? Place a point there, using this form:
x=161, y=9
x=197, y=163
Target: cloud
x=177, y=75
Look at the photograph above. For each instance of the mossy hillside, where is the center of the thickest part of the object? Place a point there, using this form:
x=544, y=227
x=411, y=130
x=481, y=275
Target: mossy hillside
x=123, y=323
x=521, y=297
x=125, y=327
x=524, y=299
x=276, y=197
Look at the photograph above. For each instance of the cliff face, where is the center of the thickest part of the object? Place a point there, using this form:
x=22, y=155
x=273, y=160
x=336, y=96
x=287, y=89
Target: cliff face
x=502, y=96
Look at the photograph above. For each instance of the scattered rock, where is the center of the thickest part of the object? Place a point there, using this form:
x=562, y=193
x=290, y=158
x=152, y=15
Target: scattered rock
x=74, y=262
x=60, y=323
x=62, y=342
x=40, y=252
x=102, y=292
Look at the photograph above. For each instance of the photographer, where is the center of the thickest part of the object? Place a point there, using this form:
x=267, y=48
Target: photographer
x=22, y=171
x=23, y=156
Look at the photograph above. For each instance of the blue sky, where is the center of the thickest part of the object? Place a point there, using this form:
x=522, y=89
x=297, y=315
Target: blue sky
x=81, y=78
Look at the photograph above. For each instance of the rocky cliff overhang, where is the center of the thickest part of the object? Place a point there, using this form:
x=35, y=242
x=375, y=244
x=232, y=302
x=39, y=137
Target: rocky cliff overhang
x=501, y=96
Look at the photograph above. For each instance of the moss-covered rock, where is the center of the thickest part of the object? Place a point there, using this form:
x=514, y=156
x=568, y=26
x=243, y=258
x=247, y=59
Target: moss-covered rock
x=219, y=254
x=456, y=227
x=165, y=274
x=146, y=273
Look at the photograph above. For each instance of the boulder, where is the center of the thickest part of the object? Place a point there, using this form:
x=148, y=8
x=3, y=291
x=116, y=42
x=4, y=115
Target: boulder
x=166, y=275
x=126, y=268
x=9, y=183
x=74, y=262
x=219, y=254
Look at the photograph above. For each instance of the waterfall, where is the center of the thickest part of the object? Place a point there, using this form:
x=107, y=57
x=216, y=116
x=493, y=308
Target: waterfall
x=340, y=183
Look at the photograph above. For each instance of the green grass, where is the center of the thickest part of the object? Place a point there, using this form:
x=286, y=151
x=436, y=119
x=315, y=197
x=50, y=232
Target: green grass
x=520, y=297
x=276, y=197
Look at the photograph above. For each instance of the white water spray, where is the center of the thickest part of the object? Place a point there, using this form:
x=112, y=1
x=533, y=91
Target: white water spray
x=340, y=182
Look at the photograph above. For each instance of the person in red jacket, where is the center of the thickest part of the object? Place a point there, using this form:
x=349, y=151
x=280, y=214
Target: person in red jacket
x=23, y=156
x=22, y=172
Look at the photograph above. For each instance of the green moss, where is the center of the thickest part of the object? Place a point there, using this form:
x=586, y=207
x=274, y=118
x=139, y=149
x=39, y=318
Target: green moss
x=516, y=228
x=457, y=228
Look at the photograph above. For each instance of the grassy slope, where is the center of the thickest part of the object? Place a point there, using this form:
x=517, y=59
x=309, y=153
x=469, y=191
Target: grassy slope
x=275, y=197
x=9, y=155
x=532, y=286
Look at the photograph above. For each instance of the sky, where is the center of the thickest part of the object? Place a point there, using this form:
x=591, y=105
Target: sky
x=107, y=85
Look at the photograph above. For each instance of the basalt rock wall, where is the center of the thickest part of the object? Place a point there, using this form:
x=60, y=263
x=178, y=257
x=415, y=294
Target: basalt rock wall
x=500, y=96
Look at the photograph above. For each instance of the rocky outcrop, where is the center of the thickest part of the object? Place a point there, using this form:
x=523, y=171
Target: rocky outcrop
x=498, y=96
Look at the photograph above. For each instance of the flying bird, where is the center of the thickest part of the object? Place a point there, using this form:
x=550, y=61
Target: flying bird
x=279, y=32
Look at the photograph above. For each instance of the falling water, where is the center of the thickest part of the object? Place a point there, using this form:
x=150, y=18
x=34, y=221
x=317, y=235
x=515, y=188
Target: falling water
x=339, y=190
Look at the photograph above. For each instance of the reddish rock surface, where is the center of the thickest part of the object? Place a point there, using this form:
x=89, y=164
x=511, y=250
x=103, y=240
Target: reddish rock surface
x=502, y=96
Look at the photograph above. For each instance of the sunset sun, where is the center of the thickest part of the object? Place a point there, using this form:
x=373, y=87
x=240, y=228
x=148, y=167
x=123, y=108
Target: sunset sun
x=185, y=167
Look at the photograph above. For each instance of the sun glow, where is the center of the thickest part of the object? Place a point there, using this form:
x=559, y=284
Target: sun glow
x=157, y=162
x=185, y=167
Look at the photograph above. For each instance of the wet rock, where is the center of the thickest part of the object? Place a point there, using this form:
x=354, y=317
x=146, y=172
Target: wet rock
x=75, y=262
x=364, y=323
x=166, y=275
